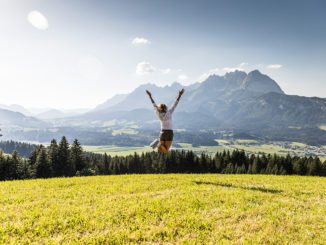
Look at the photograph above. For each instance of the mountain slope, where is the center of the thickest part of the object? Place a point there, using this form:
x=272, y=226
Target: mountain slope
x=12, y=119
x=235, y=100
x=16, y=108
x=257, y=82
x=111, y=102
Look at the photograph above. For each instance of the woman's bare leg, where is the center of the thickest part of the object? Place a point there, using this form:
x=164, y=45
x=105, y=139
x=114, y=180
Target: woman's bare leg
x=162, y=147
x=165, y=146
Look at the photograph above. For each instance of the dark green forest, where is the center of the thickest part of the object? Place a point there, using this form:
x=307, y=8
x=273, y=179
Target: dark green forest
x=24, y=149
x=64, y=160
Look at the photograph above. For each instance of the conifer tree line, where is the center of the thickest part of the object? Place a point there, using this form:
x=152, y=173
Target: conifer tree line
x=64, y=160
x=24, y=149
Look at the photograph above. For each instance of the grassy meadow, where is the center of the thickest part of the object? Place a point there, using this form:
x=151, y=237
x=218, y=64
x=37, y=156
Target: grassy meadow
x=172, y=208
x=127, y=150
x=116, y=150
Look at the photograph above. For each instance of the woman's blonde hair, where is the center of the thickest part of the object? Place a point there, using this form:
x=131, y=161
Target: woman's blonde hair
x=162, y=108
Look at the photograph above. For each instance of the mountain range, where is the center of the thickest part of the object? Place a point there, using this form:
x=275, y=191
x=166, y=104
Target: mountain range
x=238, y=100
x=235, y=100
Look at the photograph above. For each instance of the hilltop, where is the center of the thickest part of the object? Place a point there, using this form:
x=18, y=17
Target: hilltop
x=170, y=208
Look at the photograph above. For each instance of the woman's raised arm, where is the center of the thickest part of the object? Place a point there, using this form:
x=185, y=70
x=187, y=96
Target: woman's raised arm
x=150, y=96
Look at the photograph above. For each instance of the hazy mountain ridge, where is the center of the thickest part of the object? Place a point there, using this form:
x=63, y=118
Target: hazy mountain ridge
x=236, y=100
x=116, y=99
x=16, y=108
x=12, y=119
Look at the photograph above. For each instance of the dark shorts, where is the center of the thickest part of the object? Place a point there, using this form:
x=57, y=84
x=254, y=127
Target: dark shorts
x=166, y=135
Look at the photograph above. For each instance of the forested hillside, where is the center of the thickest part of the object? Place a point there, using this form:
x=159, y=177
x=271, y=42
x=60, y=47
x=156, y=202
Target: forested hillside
x=61, y=159
x=24, y=149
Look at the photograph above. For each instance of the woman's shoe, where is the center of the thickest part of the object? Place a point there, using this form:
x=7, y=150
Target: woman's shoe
x=155, y=143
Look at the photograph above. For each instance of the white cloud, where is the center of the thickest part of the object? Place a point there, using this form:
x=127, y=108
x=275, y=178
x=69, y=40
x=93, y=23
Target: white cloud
x=231, y=69
x=140, y=40
x=183, y=77
x=274, y=66
x=205, y=75
x=221, y=71
x=38, y=20
x=165, y=71
x=144, y=68
x=243, y=64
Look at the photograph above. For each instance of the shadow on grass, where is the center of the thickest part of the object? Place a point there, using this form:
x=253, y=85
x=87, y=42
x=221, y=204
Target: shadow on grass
x=262, y=189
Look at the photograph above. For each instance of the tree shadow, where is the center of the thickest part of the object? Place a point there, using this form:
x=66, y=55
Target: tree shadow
x=261, y=189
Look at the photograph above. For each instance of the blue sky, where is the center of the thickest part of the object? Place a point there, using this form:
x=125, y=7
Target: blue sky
x=80, y=53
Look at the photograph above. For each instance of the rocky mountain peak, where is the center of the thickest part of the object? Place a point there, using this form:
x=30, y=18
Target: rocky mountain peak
x=255, y=81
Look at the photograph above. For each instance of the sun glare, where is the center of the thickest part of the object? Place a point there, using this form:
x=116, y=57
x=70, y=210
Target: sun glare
x=38, y=20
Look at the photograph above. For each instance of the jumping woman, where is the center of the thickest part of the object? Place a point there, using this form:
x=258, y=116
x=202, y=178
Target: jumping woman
x=165, y=116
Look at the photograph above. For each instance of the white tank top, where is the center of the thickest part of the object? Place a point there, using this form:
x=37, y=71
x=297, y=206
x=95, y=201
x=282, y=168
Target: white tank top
x=166, y=118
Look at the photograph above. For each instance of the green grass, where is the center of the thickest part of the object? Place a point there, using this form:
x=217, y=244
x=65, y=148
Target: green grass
x=298, y=144
x=184, y=209
x=207, y=149
x=246, y=141
x=220, y=141
x=268, y=149
x=126, y=150
x=116, y=150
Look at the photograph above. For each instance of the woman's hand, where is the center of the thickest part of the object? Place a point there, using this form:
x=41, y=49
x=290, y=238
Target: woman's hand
x=180, y=94
x=150, y=96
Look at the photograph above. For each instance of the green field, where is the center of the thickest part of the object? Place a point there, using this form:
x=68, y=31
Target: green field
x=265, y=148
x=246, y=141
x=116, y=150
x=126, y=150
x=206, y=149
x=298, y=144
x=173, y=208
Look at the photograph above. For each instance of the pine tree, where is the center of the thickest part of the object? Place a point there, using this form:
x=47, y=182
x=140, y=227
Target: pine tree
x=136, y=164
x=65, y=167
x=263, y=164
x=43, y=168
x=287, y=164
x=3, y=166
x=14, y=165
x=314, y=167
x=148, y=163
x=229, y=169
x=33, y=156
x=24, y=170
x=323, y=168
x=95, y=164
x=256, y=166
x=298, y=167
x=54, y=159
x=106, y=164
x=203, y=163
x=77, y=156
